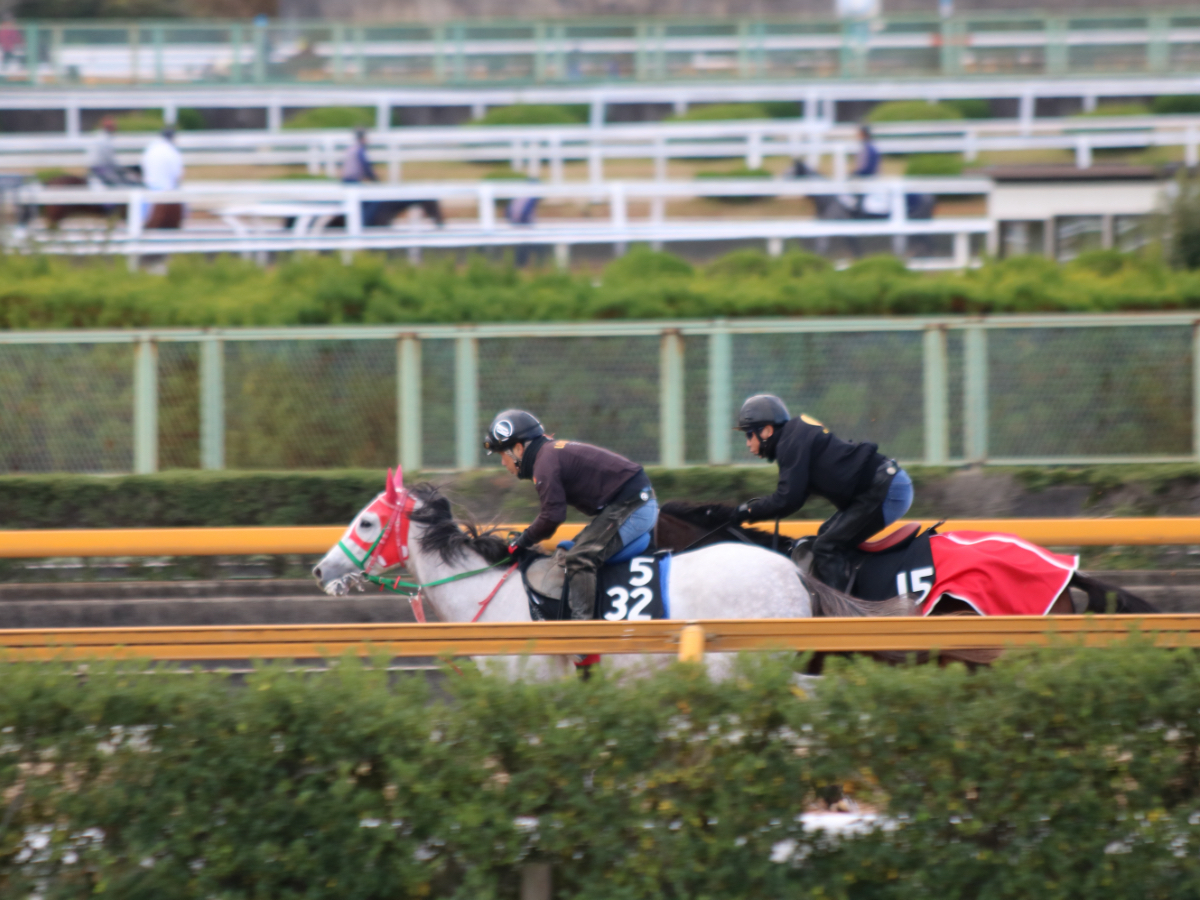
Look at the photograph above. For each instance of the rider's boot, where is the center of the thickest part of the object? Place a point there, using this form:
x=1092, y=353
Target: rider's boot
x=802, y=555
x=581, y=595
x=830, y=566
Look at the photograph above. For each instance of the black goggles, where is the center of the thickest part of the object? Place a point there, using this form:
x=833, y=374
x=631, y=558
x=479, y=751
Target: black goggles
x=751, y=432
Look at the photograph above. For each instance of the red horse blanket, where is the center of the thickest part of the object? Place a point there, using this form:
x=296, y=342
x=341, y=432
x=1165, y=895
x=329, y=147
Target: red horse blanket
x=997, y=574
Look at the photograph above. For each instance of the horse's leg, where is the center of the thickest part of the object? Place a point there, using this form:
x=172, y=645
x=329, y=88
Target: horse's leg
x=1063, y=605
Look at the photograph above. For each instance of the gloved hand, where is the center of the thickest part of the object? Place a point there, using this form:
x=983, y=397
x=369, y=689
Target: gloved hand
x=514, y=543
x=742, y=513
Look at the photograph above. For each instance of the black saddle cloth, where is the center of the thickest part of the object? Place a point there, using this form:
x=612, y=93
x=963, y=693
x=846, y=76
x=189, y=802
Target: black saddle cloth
x=629, y=591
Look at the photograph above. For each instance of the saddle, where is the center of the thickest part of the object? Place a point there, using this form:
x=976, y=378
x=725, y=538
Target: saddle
x=630, y=586
x=902, y=535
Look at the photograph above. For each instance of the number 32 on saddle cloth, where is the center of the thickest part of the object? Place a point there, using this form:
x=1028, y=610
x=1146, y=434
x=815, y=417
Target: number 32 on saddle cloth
x=634, y=590
x=995, y=574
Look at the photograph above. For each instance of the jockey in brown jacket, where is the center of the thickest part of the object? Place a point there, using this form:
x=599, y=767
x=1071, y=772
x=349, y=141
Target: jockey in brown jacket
x=595, y=481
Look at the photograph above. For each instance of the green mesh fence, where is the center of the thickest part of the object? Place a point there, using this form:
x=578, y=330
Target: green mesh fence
x=1052, y=393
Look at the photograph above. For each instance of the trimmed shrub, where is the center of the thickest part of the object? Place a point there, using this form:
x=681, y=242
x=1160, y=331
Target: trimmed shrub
x=721, y=112
x=1176, y=104
x=152, y=120
x=737, y=172
x=971, y=108
x=534, y=114
x=48, y=292
x=1183, y=223
x=180, y=498
x=934, y=164
x=912, y=111
x=190, y=120
x=332, y=117
x=140, y=121
x=1114, y=109
x=1068, y=773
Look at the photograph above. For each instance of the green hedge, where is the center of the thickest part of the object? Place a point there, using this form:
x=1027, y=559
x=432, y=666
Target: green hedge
x=1175, y=104
x=1060, y=775
x=724, y=112
x=186, y=499
x=332, y=117
x=43, y=292
x=913, y=111
x=191, y=498
x=534, y=114
x=935, y=164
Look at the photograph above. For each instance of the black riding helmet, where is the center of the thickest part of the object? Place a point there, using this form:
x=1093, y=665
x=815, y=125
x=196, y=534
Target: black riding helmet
x=760, y=410
x=513, y=426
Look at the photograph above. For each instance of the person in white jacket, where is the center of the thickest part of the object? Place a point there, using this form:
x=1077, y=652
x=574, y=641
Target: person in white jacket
x=162, y=170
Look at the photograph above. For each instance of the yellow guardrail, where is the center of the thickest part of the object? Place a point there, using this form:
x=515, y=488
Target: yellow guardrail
x=686, y=639
x=319, y=538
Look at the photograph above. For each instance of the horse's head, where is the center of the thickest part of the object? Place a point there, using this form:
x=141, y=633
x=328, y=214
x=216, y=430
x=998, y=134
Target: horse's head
x=377, y=539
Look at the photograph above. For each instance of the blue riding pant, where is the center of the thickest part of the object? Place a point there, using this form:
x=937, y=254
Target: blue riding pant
x=642, y=520
x=899, y=498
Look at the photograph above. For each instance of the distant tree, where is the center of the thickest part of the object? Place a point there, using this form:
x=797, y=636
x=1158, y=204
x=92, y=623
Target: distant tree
x=1183, y=223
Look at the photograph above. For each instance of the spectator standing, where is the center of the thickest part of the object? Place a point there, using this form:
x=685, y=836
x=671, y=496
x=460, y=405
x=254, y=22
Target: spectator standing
x=522, y=211
x=357, y=168
x=11, y=42
x=162, y=170
x=103, y=168
x=874, y=204
x=867, y=163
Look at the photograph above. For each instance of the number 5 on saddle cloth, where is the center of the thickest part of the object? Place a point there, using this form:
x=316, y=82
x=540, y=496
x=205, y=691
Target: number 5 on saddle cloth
x=630, y=587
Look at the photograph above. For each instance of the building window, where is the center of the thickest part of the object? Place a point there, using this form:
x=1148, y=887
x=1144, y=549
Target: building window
x=1074, y=235
x=1022, y=238
x=1131, y=232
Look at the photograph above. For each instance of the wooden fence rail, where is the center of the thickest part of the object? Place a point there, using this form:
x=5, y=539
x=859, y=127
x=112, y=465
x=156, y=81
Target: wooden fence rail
x=688, y=640
x=319, y=538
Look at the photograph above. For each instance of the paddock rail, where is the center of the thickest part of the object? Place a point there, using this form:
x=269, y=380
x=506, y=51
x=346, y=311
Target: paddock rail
x=687, y=640
x=540, y=149
x=1153, y=531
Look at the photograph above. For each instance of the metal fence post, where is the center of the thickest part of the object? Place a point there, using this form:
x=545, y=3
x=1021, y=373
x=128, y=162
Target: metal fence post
x=32, y=52
x=720, y=392
x=408, y=401
x=671, y=394
x=212, y=403
x=1196, y=388
x=466, y=401
x=145, y=406
x=937, y=437
x=975, y=393
x=260, y=55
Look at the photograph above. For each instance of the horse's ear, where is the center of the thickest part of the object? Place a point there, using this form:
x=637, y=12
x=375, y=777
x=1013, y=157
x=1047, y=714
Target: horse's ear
x=389, y=493
x=399, y=477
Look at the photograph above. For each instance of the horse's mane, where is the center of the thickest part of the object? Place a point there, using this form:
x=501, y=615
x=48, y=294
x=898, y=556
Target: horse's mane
x=449, y=537
x=713, y=515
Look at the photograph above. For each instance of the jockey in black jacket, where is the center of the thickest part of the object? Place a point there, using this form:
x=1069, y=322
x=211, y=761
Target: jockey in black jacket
x=595, y=481
x=869, y=490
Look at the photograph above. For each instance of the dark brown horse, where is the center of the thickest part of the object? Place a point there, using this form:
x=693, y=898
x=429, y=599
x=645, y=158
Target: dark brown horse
x=684, y=525
x=162, y=215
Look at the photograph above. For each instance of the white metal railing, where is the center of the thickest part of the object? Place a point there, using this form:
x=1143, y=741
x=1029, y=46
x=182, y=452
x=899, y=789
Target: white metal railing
x=818, y=97
x=235, y=201
x=534, y=148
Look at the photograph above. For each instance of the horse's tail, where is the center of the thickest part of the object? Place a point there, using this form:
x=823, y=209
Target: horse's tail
x=827, y=601
x=1103, y=597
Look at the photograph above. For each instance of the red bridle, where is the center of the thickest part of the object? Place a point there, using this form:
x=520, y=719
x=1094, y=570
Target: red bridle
x=397, y=499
